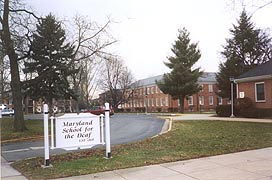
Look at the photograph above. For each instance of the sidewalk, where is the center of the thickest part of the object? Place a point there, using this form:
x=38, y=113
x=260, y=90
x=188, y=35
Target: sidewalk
x=212, y=117
x=247, y=165
x=8, y=172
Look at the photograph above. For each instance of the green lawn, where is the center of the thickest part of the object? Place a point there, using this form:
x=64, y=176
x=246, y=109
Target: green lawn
x=187, y=140
x=35, y=129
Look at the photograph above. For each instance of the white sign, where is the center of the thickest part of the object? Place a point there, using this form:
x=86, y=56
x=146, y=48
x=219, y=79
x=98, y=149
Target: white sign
x=78, y=130
x=242, y=94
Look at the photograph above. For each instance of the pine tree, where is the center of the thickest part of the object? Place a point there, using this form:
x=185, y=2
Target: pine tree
x=182, y=80
x=246, y=48
x=49, y=63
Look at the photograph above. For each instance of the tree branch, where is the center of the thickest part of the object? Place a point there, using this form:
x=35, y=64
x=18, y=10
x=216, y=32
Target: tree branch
x=26, y=11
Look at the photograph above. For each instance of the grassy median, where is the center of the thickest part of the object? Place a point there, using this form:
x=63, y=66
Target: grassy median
x=35, y=130
x=187, y=140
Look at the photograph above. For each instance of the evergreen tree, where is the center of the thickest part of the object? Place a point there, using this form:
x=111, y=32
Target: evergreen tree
x=246, y=48
x=182, y=80
x=49, y=63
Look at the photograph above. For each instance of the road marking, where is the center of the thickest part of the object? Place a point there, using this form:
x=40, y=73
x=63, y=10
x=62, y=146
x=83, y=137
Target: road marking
x=36, y=148
x=20, y=150
x=16, y=150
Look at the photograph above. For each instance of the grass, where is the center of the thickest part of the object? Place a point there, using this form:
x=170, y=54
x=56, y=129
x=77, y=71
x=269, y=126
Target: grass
x=187, y=140
x=35, y=129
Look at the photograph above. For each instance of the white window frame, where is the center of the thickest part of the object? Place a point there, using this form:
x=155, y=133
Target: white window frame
x=166, y=101
x=210, y=87
x=157, y=89
x=202, y=87
x=161, y=101
x=200, y=100
x=210, y=100
x=264, y=100
x=190, y=101
x=220, y=100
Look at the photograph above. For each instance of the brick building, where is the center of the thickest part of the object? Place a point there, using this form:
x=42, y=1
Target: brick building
x=256, y=84
x=147, y=97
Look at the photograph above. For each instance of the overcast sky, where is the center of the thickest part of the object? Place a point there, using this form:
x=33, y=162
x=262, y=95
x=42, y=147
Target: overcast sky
x=146, y=29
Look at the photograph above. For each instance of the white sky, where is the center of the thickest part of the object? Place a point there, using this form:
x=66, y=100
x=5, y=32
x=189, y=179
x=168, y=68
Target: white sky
x=146, y=29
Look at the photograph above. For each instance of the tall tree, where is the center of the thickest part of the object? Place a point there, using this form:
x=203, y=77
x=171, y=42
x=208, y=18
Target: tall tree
x=50, y=62
x=182, y=80
x=247, y=48
x=14, y=33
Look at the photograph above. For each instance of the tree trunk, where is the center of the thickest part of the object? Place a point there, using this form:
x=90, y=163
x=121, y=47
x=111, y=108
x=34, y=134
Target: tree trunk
x=19, y=124
x=181, y=104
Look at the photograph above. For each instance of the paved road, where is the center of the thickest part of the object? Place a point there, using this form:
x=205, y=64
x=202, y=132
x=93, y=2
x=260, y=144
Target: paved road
x=124, y=128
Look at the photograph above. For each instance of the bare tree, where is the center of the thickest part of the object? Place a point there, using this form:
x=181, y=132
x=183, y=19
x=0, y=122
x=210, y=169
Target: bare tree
x=4, y=78
x=15, y=35
x=116, y=81
x=251, y=5
x=91, y=42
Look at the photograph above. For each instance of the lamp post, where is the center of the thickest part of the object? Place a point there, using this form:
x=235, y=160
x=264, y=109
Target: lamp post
x=231, y=86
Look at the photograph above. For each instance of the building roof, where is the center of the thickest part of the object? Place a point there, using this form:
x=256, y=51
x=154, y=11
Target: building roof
x=205, y=78
x=259, y=72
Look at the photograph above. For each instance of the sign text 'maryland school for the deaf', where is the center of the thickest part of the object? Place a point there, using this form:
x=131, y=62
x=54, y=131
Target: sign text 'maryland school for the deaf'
x=77, y=131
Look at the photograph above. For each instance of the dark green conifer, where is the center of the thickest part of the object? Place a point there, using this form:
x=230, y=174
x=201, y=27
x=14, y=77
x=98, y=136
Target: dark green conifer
x=49, y=63
x=182, y=80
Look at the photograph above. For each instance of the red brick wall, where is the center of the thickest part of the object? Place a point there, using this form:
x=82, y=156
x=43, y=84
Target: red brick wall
x=249, y=90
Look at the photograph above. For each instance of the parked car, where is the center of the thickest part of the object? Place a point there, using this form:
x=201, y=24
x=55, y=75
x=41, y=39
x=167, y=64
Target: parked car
x=7, y=112
x=97, y=110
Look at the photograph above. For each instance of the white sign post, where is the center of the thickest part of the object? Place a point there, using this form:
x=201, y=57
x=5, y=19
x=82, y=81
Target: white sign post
x=46, y=138
x=107, y=128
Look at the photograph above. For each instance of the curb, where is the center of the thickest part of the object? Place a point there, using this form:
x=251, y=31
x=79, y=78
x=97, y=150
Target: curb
x=167, y=126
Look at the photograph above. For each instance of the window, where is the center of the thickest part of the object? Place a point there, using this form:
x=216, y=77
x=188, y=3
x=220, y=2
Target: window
x=141, y=105
x=148, y=90
x=144, y=103
x=141, y=92
x=259, y=92
x=210, y=88
x=190, y=100
x=201, y=100
x=152, y=90
x=161, y=102
x=210, y=100
x=220, y=100
x=201, y=87
x=148, y=105
x=166, y=101
x=157, y=102
x=152, y=102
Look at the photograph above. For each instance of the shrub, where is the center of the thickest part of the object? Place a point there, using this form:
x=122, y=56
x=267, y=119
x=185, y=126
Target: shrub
x=172, y=109
x=244, y=107
x=121, y=110
x=223, y=110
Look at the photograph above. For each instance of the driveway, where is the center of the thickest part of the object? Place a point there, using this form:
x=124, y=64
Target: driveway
x=125, y=128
